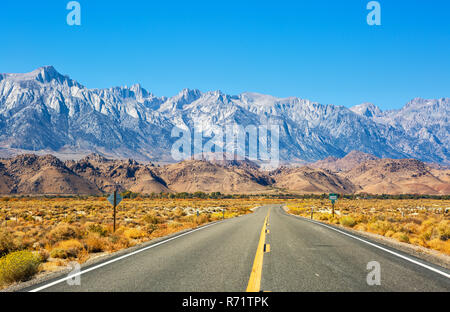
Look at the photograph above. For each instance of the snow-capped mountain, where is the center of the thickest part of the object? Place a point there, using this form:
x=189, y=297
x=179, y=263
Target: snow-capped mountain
x=427, y=121
x=44, y=110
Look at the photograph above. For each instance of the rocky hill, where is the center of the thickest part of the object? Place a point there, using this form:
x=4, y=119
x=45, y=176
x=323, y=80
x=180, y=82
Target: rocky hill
x=310, y=180
x=107, y=174
x=351, y=160
x=31, y=174
x=95, y=174
x=397, y=176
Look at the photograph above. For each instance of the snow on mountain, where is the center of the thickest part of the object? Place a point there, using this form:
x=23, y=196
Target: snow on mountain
x=44, y=110
x=424, y=120
x=366, y=109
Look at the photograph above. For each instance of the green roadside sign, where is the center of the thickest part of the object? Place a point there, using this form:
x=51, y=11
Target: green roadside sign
x=333, y=197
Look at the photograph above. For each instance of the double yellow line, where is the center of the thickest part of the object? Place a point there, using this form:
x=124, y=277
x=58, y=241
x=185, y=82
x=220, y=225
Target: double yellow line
x=254, y=283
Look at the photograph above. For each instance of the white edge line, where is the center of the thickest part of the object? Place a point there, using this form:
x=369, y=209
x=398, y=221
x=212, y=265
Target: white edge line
x=120, y=258
x=382, y=248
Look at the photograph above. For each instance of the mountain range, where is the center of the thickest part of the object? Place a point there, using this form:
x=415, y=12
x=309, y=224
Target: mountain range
x=46, y=112
x=95, y=174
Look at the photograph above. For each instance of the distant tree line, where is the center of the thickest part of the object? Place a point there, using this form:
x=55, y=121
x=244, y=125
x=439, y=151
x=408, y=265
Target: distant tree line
x=219, y=195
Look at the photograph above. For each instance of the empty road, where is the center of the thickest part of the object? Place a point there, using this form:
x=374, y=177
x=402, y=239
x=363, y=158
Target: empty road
x=267, y=250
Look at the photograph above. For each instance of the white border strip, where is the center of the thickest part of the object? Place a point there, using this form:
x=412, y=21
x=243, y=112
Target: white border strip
x=382, y=248
x=120, y=258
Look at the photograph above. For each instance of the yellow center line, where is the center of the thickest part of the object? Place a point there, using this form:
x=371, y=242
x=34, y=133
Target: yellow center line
x=254, y=283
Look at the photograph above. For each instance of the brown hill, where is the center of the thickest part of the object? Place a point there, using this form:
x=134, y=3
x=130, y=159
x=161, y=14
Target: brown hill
x=350, y=161
x=243, y=166
x=444, y=176
x=196, y=175
x=6, y=180
x=397, y=176
x=94, y=174
x=310, y=180
x=31, y=174
x=108, y=174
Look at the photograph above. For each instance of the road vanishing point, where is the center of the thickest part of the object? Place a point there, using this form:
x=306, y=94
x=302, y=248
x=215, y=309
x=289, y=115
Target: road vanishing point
x=268, y=250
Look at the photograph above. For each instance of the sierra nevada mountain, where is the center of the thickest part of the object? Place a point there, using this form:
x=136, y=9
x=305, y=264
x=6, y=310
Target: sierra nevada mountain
x=47, y=112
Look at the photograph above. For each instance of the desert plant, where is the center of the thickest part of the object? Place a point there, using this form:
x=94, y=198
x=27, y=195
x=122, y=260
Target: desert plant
x=97, y=228
x=18, y=266
x=94, y=243
x=67, y=249
x=152, y=218
x=402, y=237
x=410, y=228
x=43, y=255
x=7, y=244
x=116, y=242
x=444, y=230
x=379, y=227
x=347, y=221
x=134, y=233
x=62, y=232
x=440, y=245
x=203, y=218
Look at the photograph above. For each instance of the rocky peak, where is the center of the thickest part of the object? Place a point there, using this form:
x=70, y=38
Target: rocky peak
x=367, y=109
x=96, y=158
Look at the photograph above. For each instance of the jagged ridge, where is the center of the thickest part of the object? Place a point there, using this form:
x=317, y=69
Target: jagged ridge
x=46, y=111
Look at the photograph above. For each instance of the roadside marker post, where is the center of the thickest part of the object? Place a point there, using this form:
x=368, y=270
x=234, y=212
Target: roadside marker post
x=115, y=200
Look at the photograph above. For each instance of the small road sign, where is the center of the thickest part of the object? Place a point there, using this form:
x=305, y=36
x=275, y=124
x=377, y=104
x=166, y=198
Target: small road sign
x=333, y=197
x=118, y=198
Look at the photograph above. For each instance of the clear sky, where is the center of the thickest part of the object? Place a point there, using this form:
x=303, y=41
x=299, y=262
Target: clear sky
x=320, y=50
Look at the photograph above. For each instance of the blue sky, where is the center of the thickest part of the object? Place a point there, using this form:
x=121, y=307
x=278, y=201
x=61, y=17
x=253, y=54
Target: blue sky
x=319, y=50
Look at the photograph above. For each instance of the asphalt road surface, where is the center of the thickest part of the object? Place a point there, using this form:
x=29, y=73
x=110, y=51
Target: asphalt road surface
x=267, y=250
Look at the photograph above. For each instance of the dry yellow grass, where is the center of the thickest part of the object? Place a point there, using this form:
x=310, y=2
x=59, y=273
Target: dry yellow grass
x=421, y=222
x=61, y=229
